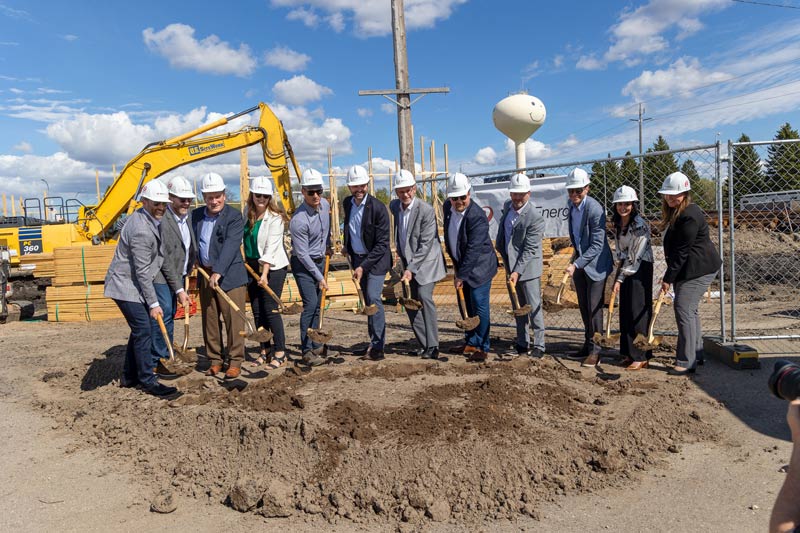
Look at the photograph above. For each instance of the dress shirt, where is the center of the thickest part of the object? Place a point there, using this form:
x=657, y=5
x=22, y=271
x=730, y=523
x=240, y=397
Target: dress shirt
x=356, y=215
x=405, y=213
x=511, y=219
x=311, y=230
x=183, y=227
x=456, y=219
x=204, y=239
x=576, y=214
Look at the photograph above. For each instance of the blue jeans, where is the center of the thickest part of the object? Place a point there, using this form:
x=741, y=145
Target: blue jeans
x=372, y=286
x=311, y=294
x=138, y=366
x=167, y=300
x=477, y=300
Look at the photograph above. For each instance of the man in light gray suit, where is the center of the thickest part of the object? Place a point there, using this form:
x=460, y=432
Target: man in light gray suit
x=129, y=282
x=180, y=251
x=420, y=253
x=519, y=241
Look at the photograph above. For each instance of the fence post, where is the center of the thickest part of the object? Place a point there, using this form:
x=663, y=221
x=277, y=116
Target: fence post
x=720, y=231
x=731, y=234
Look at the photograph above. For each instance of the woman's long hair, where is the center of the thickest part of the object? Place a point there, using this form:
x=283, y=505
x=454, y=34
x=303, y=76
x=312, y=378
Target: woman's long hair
x=670, y=215
x=273, y=205
x=617, y=219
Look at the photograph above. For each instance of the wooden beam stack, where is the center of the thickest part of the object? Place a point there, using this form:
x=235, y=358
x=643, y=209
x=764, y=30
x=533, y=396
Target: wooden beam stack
x=77, y=291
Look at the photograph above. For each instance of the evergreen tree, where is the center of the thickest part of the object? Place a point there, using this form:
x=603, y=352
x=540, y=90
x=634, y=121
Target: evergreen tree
x=611, y=168
x=703, y=190
x=783, y=162
x=748, y=177
x=629, y=172
x=656, y=168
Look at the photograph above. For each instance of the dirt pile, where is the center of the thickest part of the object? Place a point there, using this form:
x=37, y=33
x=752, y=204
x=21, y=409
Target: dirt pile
x=401, y=440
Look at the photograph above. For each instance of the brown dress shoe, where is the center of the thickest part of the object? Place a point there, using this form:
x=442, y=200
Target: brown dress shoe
x=213, y=370
x=233, y=372
x=477, y=356
x=591, y=360
x=636, y=365
x=463, y=350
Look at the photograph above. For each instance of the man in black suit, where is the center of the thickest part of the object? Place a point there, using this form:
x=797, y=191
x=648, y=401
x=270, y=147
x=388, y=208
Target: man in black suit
x=219, y=229
x=366, y=239
x=466, y=231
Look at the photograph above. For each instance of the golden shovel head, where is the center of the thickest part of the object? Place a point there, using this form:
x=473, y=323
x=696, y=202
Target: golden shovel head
x=369, y=310
x=291, y=309
x=520, y=311
x=469, y=323
x=606, y=341
x=645, y=344
x=259, y=335
x=321, y=336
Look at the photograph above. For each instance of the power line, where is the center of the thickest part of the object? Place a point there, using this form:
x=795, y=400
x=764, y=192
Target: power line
x=765, y=4
x=737, y=104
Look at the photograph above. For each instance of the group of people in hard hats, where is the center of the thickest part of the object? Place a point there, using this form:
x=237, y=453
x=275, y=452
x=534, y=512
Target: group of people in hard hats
x=163, y=241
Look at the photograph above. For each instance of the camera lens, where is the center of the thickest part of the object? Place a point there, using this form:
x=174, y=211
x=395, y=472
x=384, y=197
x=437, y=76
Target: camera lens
x=785, y=380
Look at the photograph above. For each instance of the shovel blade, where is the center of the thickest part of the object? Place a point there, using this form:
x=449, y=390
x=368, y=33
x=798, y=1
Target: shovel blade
x=522, y=311
x=609, y=341
x=409, y=303
x=319, y=335
x=645, y=344
x=293, y=309
x=260, y=335
x=469, y=323
x=370, y=309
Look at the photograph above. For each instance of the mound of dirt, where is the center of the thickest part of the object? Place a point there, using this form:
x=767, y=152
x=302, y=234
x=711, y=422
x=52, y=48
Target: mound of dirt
x=398, y=441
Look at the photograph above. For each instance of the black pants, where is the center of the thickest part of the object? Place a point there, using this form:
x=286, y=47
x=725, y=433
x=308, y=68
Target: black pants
x=635, y=310
x=264, y=306
x=590, y=302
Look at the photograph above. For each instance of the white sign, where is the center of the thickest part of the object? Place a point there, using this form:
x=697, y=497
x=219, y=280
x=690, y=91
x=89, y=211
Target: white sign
x=548, y=196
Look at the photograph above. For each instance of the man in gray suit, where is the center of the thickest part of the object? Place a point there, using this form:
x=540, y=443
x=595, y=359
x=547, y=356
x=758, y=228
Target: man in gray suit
x=129, y=282
x=420, y=253
x=179, y=250
x=592, y=262
x=519, y=241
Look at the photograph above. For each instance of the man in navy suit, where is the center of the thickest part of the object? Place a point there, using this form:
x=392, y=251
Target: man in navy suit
x=591, y=262
x=219, y=229
x=466, y=231
x=366, y=240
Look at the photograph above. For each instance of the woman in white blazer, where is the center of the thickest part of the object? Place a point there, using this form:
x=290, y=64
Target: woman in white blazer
x=265, y=253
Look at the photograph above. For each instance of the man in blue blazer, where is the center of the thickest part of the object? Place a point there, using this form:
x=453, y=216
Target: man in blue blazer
x=591, y=262
x=366, y=240
x=219, y=229
x=466, y=231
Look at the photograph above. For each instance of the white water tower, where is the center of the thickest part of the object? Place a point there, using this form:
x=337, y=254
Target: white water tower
x=518, y=117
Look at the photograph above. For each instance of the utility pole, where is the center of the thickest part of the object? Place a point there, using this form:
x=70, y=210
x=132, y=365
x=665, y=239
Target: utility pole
x=640, y=120
x=405, y=137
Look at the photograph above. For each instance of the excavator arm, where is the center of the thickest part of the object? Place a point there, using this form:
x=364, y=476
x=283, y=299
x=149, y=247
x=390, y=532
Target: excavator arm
x=97, y=223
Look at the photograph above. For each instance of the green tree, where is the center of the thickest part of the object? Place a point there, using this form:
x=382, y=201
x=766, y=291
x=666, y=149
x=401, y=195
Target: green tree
x=629, y=171
x=656, y=168
x=703, y=190
x=748, y=177
x=383, y=195
x=783, y=162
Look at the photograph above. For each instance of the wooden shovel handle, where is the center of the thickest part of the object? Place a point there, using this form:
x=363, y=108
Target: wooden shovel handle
x=167, y=341
x=264, y=285
x=512, y=291
x=324, y=291
x=406, y=289
x=461, y=304
x=656, y=310
x=610, y=313
x=221, y=293
x=188, y=306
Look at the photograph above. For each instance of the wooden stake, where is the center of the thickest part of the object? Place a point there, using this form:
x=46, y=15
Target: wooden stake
x=13, y=206
x=334, y=195
x=422, y=164
x=97, y=184
x=371, y=177
x=5, y=208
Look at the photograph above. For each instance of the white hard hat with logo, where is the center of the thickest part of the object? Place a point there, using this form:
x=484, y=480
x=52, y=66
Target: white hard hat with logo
x=357, y=175
x=457, y=185
x=261, y=185
x=577, y=179
x=180, y=187
x=311, y=178
x=675, y=183
x=625, y=194
x=519, y=183
x=212, y=182
x=156, y=191
x=403, y=178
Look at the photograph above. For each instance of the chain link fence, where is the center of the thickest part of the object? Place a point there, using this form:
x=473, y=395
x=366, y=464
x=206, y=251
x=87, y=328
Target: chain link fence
x=763, y=207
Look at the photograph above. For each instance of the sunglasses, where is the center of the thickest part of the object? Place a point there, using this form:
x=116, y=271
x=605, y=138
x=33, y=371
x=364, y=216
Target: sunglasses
x=459, y=198
x=575, y=191
x=315, y=192
x=257, y=195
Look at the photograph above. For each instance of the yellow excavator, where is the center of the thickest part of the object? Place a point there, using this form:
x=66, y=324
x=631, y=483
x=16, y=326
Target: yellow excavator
x=101, y=223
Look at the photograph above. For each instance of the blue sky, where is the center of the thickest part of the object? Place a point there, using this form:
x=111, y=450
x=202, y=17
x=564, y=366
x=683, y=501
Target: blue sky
x=87, y=84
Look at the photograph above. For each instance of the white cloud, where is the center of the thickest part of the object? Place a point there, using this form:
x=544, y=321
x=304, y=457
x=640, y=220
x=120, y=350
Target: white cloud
x=589, y=63
x=8, y=43
x=363, y=112
x=558, y=61
x=486, y=156
x=388, y=108
x=368, y=18
x=178, y=45
x=530, y=71
x=23, y=146
x=311, y=133
x=42, y=110
x=10, y=12
x=533, y=149
x=15, y=90
x=285, y=58
x=680, y=78
x=299, y=90
x=69, y=37
x=569, y=142
x=64, y=175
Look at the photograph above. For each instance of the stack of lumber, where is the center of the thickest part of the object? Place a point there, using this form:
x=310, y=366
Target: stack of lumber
x=77, y=291
x=42, y=265
x=341, y=291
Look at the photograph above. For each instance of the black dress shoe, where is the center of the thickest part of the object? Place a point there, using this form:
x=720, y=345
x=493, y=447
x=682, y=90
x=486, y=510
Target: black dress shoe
x=160, y=390
x=419, y=352
x=125, y=384
x=361, y=351
x=680, y=371
x=376, y=355
x=431, y=353
x=537, y=353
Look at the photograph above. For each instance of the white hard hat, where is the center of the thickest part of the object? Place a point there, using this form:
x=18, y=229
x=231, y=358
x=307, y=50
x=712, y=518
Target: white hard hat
x=403, y=178
x=311, y=178
x=625, y=194
x=577, y=178
x=261, y=185
x=156, y=191
x=180, y=187
x=457, y=185
x=357, y=175
x=675, y=183
x=519, y=183
x=212, y=182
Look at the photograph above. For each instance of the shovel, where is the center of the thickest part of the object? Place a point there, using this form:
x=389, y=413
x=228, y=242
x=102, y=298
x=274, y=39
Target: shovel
x=168, y=342
x=363, y=309
x=608, y=340
x=515, y=310
x=467, y=323
x=284, y=309
x=408, y=302
x=185, y=345
x=257, y=335
x=552, y=295
x=651, y=342
x=320, y=335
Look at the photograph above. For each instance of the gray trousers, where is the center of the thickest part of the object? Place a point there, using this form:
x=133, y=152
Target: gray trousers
x=530, y=292
x=690, y=334
x=424, y=321
x=590, y=302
